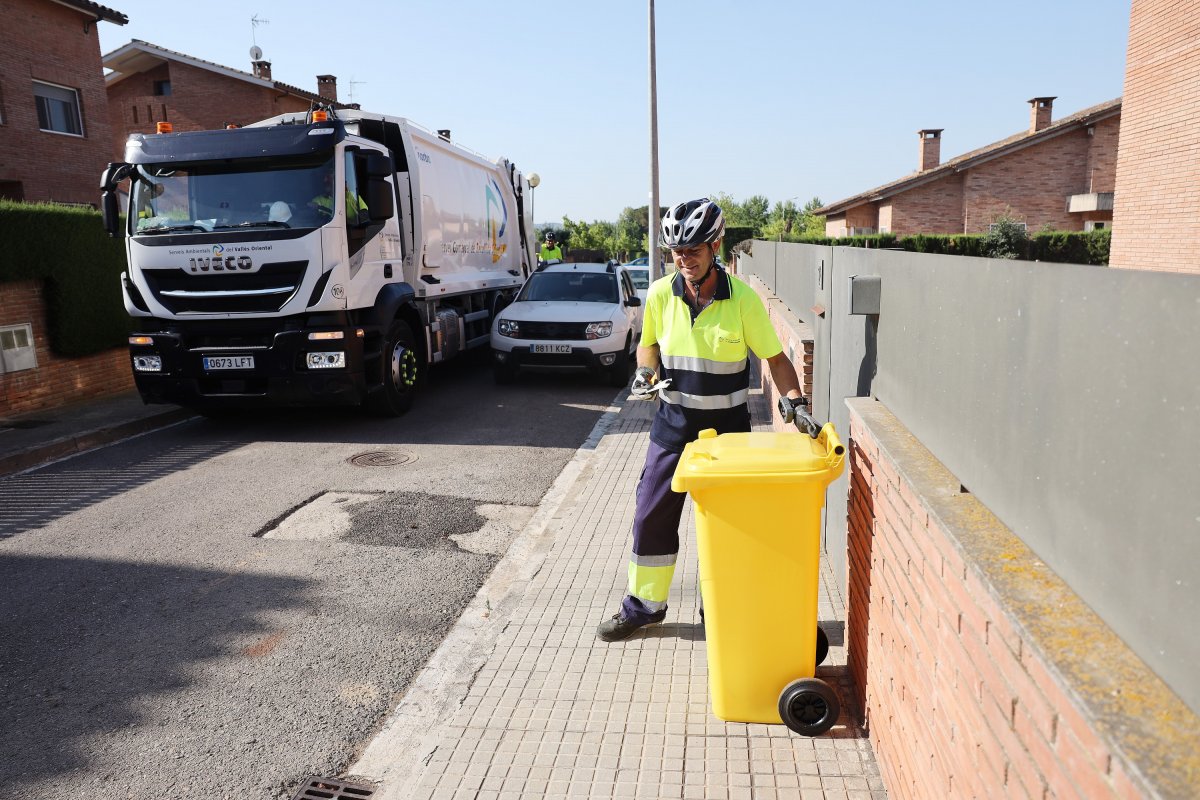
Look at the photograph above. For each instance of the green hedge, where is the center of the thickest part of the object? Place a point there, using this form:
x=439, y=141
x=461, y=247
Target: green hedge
x=1069, y=247
x=734, y=234
x=80, y=266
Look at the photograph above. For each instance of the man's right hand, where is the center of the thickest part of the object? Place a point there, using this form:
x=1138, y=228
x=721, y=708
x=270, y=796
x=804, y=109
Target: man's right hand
x=644, y=380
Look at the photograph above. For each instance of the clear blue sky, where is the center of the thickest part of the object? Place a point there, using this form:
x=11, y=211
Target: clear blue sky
x=784, y=99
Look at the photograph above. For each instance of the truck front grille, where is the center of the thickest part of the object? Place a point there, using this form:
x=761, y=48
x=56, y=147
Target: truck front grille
x=553, y=331
x=183, y=292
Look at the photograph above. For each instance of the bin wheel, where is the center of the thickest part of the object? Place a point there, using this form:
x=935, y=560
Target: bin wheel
x=822, y=646
x=809, y=706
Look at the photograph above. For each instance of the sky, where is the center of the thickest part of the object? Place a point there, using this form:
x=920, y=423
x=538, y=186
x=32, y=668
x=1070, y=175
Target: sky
x=791, y=100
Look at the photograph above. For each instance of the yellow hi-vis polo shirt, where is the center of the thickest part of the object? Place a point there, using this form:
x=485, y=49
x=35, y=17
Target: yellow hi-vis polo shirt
x=706, y=357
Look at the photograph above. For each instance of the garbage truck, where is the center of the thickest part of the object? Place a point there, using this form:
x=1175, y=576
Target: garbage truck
x=319, y=258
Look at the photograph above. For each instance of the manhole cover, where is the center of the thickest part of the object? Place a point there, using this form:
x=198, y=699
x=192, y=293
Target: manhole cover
x=382, y=458
x=332, y=789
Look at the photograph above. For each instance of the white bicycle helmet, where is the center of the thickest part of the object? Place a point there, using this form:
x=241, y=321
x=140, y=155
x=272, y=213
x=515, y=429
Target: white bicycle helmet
x=692, y=223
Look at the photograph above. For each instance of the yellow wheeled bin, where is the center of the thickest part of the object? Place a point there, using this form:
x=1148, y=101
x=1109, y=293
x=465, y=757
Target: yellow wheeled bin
x=758, y=499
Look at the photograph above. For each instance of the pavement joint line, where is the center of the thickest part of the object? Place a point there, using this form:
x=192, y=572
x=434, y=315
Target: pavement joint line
x=395, y=758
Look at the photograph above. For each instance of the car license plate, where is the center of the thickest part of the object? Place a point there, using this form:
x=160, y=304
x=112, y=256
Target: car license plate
x=228, y=362
x=550, y=348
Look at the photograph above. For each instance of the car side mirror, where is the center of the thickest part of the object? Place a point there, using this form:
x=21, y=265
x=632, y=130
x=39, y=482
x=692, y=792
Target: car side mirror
x=634, y=301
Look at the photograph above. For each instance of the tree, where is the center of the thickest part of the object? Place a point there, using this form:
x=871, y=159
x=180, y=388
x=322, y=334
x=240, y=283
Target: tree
x=1006, y=238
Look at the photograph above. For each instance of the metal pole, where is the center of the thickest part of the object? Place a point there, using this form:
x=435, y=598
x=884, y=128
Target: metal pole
x=652, y=211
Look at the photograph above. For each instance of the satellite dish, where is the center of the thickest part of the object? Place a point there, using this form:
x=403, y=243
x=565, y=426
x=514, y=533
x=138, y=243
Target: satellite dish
x=255, y=53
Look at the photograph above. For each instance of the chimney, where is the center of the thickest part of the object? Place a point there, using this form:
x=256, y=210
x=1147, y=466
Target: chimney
x=931, y=147
x=1039, y=113
x=262, y=69
x=327, y=87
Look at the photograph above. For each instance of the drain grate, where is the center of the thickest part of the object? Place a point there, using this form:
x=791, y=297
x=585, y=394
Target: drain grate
x=332, y=789
x=381, y=458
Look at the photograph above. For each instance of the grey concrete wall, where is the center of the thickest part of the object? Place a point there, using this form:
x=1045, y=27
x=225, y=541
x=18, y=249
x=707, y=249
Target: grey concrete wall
x=1064, y=397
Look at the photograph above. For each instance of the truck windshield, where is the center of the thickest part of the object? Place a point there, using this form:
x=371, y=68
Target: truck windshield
x=584, y=287
x=220, y=195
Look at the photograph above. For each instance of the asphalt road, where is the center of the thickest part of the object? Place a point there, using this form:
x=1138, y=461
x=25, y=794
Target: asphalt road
x=222, y=609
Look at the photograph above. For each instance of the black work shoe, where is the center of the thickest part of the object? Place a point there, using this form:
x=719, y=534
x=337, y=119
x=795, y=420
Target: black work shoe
x=619, y=627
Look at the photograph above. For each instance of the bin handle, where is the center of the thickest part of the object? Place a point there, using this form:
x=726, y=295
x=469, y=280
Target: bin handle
x=834, y=450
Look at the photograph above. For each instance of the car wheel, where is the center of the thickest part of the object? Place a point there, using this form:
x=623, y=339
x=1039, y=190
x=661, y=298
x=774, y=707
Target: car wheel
x=401, y=371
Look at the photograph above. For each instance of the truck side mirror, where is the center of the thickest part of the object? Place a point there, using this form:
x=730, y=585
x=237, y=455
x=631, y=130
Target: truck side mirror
x=110, y=213
x=381, y=203
x=113, y=175
x=634, y=301
x=379, y=165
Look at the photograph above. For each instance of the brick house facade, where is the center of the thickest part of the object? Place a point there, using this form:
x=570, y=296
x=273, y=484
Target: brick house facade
x=150, y=84
x=1060, y=174
x=54, y=129
x=1158, y=170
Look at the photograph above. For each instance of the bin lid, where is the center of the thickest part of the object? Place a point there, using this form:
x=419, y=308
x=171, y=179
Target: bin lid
x=759, y=454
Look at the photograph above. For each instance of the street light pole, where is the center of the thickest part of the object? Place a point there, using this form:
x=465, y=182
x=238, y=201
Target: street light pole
x=652, y=211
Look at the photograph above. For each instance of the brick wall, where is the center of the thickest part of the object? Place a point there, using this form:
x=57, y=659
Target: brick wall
x=935, y=207
x=1102, y=156
x=47, y=42
x=978, y=673
x=57, y=381
x=200, y=100
x=1155, y=222
x=1031, y=184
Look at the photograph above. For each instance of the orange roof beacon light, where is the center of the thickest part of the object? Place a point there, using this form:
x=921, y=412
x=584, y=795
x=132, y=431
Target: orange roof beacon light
x=231, y=127
x=320, y=116
x=163, y=127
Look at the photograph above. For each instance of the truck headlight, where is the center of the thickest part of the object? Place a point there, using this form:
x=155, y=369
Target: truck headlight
x=509, y=327
x=147, y=363
x=336, y=360
x=598, y=330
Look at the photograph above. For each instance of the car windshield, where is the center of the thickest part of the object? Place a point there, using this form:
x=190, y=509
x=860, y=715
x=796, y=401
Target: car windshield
x=640, y=278
x=584, y=287
x=229, y=194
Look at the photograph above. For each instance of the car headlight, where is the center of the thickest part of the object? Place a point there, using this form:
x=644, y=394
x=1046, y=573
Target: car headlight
x=598, y=330
x=509, y=327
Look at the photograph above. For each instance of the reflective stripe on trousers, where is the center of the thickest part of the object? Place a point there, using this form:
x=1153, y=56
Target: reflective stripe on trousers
x=655, y=535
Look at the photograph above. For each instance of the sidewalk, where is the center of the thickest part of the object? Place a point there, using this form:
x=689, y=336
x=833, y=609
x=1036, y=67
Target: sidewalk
x=523, y=701
x=28, y=440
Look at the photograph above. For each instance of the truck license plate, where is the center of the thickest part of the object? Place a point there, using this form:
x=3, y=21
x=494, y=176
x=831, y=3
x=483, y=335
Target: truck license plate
x=228, y=362
x=550, y=348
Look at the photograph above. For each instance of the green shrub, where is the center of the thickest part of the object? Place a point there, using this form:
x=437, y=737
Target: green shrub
x=1072, y=247
x=1006, y=238
x=734, y=235
x=68, y=249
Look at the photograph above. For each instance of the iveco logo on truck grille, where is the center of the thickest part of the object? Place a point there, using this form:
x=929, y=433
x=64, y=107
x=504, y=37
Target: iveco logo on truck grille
x=227, y=264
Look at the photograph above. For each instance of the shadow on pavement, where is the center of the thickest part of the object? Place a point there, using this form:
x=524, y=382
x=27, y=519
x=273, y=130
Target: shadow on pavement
x=89, y=645
x=37, y=498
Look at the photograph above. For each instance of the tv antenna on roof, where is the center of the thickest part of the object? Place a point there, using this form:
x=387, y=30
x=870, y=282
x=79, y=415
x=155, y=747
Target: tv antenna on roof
x=353, y=83
x=254, y=23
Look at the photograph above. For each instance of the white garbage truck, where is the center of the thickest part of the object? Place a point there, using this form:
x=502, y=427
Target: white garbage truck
x=315, y=258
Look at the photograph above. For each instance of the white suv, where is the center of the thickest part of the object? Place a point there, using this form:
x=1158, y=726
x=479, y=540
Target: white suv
x=570, y=315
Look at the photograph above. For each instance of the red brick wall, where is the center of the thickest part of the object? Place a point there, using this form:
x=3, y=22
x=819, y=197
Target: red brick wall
x=935, y=207
x=57, y=381
x=956, y=701
x=1031, y=185
x=45, y=41
x=1102, y=156
x=200, y=100
x=1155, y=222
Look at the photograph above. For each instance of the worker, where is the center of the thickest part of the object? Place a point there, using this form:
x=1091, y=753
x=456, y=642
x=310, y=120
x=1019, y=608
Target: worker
x=699, y=327
x=323, y=202
x=550, y=249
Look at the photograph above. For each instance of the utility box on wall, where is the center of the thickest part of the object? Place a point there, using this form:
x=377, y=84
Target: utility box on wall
x=16, y=348
x=864, y=294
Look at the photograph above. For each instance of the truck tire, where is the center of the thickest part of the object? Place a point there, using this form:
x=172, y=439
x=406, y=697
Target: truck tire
x=401, y=372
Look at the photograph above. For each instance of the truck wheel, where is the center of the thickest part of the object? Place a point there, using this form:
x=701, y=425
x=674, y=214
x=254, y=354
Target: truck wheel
x=401, y=371
x=619, y=371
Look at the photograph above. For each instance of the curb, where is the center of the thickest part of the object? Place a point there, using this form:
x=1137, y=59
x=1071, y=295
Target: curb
x=399, y=751
x=88, y=440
